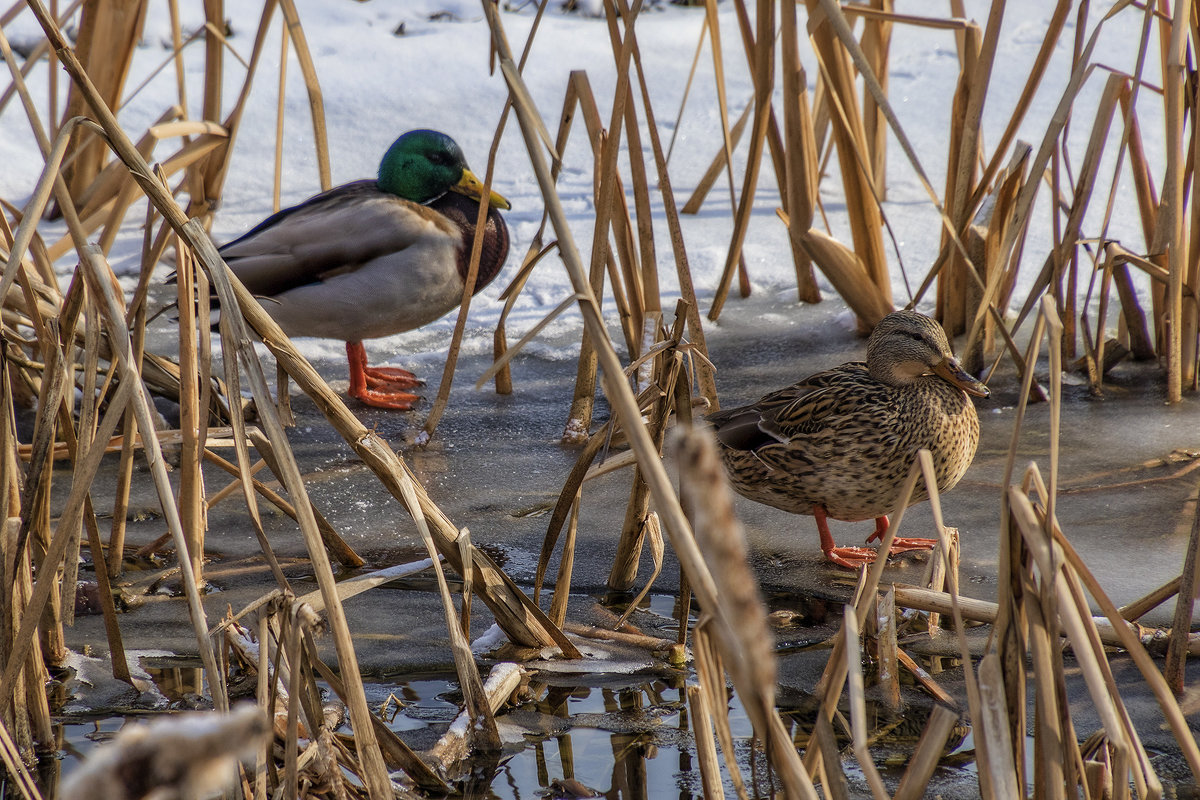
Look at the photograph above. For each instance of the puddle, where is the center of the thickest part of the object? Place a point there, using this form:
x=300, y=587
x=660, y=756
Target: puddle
x=621, y=736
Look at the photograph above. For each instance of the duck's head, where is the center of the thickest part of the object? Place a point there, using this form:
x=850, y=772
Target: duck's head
x=906, y=345
x=423, y=165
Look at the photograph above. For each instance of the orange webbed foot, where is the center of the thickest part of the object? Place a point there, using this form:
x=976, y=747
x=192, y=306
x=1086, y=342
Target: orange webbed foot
x=851, y=557
x=396, y=401
x=900, y=544
x=391, y=377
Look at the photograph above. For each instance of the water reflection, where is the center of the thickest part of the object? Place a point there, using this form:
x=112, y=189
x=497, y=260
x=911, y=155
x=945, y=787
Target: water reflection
x=618, y=741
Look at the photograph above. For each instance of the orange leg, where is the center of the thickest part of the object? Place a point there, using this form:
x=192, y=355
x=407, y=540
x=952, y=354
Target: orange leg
x=849, y=557
x=379, y=386
x=899, y=544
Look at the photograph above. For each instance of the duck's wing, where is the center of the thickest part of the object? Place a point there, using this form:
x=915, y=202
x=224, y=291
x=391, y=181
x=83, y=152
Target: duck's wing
x=335, y=231
x=801, y=409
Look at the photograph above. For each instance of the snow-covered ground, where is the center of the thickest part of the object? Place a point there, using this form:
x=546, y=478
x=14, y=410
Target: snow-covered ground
x=377, y=82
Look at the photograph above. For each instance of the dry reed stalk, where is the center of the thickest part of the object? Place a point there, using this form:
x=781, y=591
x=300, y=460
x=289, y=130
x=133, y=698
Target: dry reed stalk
x=929, y=751
x=858, y=709
x=924, y=679
x=1136, y=609
x=35, y=515
x=673, y=653
x=1172, y=230
x=1046, y=151
x=688, y=303
x=706, y=752
x=579, y=417
x=729, y=140
x=876, y=41
x=1189, y=584
x=984, y=611
x=845, y=270
x=687, y=87
x=565, y=508
x=481, y=729
x=501, y=353
x=191, y=486
x=762, y=64
x=276, y=202
x=666, y=370
x=136, y=317
x=1086, y=645
x=14, y=763
x=566, y=566
x=1158, y=685
x=107, y=37
x=1065, y=250
x=800, y=156
x=887, y=656
x=953, y=283
x=651, y=529
x=454, y=745
x=24, y=700
x=710, y=673
x=992, y=725
x=851, y=139
x=977, y=55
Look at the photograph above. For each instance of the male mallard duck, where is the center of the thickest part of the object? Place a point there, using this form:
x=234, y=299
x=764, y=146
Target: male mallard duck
x=840, y=443
x=373, y=258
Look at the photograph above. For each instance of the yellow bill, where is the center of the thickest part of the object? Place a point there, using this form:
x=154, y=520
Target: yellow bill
x=471, y=186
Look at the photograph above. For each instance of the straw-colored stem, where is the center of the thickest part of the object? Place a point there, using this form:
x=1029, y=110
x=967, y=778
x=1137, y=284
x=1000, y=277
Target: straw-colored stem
x=1052, y=756
x=191, y=486
x=800, y=157
x=706, y=750
x=924, y=759
x=887, y=659
x=689, y=305
x=763, y=70
x=858, y=708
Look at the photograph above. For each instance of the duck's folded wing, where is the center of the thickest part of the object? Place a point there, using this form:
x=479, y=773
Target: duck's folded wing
x=795, y=411
x=335, y=231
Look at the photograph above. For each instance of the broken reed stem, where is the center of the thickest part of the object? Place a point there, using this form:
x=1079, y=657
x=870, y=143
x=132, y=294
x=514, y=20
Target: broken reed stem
x=858, y=710
x=1185, y=599
x=706, y=751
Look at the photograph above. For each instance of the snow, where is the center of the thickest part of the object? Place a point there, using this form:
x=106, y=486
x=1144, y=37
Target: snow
x=377, y=83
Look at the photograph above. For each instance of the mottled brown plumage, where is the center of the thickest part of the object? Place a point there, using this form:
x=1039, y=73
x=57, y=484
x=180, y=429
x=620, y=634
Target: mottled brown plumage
x=840, y=443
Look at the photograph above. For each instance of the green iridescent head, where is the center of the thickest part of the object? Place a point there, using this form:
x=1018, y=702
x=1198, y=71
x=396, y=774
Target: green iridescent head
x=423, y=165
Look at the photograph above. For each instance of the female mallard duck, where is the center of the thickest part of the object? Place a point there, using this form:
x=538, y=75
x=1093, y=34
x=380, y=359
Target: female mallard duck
x=840, y=443
x=373, y=258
